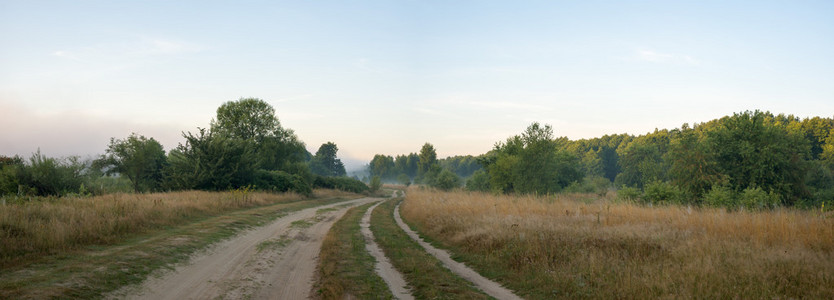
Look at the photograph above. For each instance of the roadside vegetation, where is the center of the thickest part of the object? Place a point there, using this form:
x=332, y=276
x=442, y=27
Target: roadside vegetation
x=84, y=247
x=592, y=246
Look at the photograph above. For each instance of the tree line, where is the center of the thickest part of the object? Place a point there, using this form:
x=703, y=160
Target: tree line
x=245, y=146
x=751, y=159
x=423, y=168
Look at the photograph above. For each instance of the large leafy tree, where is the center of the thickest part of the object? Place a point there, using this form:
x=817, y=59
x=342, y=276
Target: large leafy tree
x=138, y=158
x=753, y=151
x=247, y=118
x=325, y=162
x=254, y=121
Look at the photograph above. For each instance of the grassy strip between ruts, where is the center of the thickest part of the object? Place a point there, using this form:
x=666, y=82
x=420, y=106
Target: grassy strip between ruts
x=96, y=270
x=346, y=269
x=427, y=277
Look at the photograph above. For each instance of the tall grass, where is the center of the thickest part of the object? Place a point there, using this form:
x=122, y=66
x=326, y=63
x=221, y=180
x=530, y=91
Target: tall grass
x=36, y=228
x=586, y=246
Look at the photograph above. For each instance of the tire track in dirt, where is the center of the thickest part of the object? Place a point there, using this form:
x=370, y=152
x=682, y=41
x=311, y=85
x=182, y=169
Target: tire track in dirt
x=395, y=281
x=276, y=261
x=490, y=287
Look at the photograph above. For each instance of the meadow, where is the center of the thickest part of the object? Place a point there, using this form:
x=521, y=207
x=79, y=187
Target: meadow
x=32, y=229
x=591, y=246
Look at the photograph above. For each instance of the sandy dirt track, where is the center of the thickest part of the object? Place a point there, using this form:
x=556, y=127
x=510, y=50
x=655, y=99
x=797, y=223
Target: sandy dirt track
x=396, y=282
x=276, y=261
x=490, y=287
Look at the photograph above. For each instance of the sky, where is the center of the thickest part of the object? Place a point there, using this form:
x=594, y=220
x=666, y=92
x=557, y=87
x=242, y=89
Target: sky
x=388, y=76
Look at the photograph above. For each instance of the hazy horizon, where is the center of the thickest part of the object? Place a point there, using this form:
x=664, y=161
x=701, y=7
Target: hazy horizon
x=386, y=77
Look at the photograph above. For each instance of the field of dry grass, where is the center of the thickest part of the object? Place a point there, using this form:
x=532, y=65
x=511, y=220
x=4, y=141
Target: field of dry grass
x=584, y=246
x=36, y=228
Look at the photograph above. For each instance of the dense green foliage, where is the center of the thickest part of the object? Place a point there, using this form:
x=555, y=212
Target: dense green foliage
x=340, y=183
x=531, y=163
x=752, y=159
x=44, y=176
x=140, y=159
x=325, y=163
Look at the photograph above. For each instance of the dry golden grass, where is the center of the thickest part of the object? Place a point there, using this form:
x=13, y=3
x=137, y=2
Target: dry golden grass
x=577, y=246
x=33, y=229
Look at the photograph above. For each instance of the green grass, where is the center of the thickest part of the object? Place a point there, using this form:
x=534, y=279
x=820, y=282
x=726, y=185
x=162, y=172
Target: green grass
x=95, y=270
x=345, y=267
x=426, y=275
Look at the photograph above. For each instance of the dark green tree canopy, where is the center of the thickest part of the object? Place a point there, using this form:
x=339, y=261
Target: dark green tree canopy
x=139, y=158
x=325, y=162
x=427, y=158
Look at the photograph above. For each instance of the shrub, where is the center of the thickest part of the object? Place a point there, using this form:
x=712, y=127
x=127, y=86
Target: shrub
x=446, y=180
x=720, y=196
x=590, y=184
x=478, y=182
x=376, y=183
x=280, y=181
x=347, y=184
x=629, y=193
x=757, y=198
x=662, y=192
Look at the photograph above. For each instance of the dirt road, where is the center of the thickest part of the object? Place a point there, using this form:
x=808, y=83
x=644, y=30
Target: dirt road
x=384, y=268
x=276, y=261
x=490, y=287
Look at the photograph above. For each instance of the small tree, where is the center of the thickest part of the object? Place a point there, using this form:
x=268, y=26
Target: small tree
x=139, y=158
x=376, y=184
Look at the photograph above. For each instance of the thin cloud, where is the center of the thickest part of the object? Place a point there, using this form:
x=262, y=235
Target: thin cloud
x=143, y=47
x=658, y=57
x=509, y=105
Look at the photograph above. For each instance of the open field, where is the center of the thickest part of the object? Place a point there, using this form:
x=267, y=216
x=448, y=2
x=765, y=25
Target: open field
x=584, y=246
x=36, y=228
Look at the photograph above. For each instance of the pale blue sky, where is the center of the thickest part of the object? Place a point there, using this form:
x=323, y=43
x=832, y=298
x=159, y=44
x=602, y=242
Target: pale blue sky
x=387, y=76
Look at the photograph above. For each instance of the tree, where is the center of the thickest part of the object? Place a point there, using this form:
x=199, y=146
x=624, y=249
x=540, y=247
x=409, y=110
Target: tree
x=692, y=166
x=208, y=161
x=753, y=151
x=325, y=162
x=427, y=158
x=246, y=118
x=642, y=160
x=138, y=158
x=382, y=166
x=541, y=168
x=254, y=121
x=375, y=185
